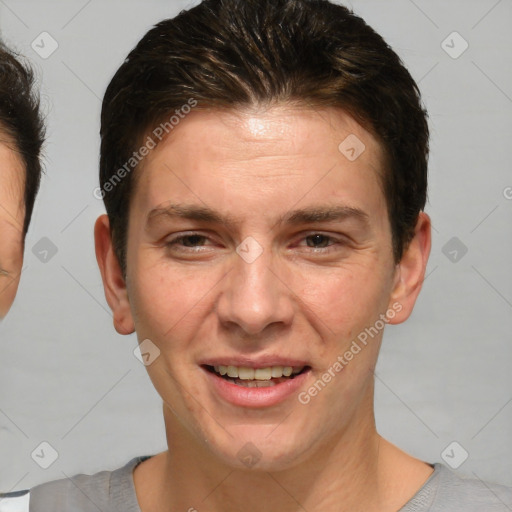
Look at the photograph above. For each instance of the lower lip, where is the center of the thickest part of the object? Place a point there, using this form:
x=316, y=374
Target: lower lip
x=256, y=397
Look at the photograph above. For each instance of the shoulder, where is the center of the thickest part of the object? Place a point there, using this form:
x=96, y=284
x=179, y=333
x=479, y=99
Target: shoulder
x=472, y=492
x=447, y=490
x=81, y=493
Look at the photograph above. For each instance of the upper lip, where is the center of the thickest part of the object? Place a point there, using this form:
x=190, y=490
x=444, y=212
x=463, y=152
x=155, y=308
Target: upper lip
x=254, y=362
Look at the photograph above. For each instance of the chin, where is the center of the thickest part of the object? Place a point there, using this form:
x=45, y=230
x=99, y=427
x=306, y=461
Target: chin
x=260, y=448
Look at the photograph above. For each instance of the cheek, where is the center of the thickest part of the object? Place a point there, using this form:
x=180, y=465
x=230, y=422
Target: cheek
x=11, y=245
x=345, y=299
x=8, y=288
x=165, y=300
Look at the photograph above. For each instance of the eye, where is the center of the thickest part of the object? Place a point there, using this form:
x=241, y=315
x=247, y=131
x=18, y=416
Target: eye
x=188, y=241
x=191, y=240
x=318, y=241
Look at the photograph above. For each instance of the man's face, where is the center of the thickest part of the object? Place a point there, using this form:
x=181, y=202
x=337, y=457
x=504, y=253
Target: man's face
x=255, y=241
x=12, y=214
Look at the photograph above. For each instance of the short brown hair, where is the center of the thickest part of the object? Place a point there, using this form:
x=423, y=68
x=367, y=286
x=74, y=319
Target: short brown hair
x=21, y=123
x=232, y=54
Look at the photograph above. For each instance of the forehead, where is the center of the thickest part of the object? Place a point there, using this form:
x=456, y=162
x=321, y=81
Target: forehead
x=12, y=202
x=265, y=152
x=12, y=169
x=283, y=129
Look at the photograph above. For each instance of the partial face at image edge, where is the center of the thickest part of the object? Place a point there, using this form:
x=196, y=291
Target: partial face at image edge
x=12, y=215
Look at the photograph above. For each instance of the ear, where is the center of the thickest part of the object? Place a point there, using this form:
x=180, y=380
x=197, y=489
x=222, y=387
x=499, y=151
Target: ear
x=113, y=281
x=410, y=272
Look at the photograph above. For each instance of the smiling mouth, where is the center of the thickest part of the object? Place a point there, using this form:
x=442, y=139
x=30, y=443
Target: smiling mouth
x=257, y=377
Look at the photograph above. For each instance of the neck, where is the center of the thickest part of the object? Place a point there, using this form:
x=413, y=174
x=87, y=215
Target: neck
x=354, y=470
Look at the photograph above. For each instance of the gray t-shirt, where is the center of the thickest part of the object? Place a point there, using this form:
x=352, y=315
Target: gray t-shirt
x=114, y=491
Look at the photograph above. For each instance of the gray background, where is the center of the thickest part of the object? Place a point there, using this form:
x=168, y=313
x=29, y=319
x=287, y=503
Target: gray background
x=68, y=379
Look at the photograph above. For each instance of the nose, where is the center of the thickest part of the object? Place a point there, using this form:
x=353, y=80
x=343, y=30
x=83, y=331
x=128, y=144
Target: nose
x=255, y=297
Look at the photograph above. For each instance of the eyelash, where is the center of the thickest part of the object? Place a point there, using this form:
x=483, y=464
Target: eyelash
x=175, y=241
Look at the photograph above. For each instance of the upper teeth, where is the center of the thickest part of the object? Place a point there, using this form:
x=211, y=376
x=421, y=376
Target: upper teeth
x=244, y=373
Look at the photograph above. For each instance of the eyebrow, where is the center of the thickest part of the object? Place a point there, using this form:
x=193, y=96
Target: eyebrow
x=311, y=215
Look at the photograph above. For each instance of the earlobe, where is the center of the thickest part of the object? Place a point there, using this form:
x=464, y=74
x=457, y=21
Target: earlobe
x=113, y=281
x=410, y=272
